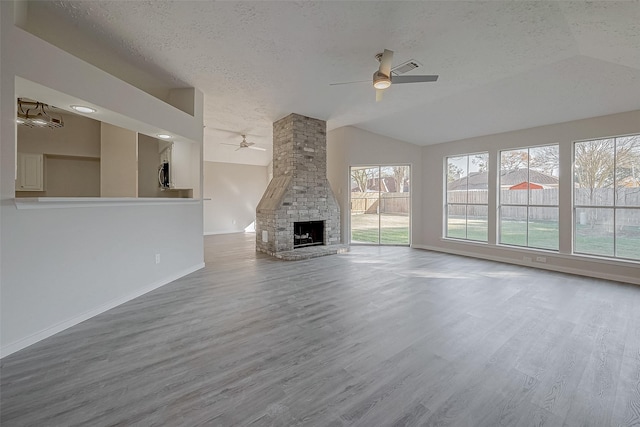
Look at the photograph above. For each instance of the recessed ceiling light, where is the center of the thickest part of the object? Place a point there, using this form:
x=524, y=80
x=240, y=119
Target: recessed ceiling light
x=83, y=109
x=164, y=136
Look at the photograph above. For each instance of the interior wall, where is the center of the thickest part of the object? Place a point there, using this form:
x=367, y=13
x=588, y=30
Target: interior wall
x=231, y=194
x=148, y=164
x=62, y=265
x=61, y=177
x=118, y=161
x=564, y=134
x=350, y=146
x=80, y=136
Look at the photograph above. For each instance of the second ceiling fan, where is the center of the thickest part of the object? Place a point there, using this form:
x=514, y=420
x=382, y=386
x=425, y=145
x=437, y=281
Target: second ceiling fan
x=245, y=144
x=383, y=78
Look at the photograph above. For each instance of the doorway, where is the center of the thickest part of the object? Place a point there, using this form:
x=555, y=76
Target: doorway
x=380, y=205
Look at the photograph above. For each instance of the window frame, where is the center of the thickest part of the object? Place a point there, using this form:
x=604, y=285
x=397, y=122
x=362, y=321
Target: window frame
x=445, y=227
x=528, y=205
x=614, y=207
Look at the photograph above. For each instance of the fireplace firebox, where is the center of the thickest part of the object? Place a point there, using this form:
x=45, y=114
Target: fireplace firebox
x=308, y=233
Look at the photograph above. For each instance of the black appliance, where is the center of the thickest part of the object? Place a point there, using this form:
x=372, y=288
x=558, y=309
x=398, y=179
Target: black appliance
x=163, y=175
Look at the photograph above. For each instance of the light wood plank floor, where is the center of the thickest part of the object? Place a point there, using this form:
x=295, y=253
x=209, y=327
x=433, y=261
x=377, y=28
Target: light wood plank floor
x=377, y=337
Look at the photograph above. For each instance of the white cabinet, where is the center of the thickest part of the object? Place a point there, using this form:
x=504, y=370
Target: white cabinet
x=30, y=176
x=178, y=155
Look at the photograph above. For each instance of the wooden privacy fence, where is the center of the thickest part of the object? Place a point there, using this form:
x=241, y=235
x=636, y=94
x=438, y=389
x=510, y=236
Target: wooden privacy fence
x=386, y=203
x=547, y=197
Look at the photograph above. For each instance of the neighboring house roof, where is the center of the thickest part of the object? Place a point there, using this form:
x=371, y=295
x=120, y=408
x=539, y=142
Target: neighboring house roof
x=526, y=185
x=478, y=180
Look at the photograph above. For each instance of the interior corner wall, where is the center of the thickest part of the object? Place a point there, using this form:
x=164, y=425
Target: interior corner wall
x=231, y=194
x=563, y=134
x=349, y=146
x=60, y=266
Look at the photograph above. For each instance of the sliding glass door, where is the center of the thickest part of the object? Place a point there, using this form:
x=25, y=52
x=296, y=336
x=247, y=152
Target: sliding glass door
x=380, y=205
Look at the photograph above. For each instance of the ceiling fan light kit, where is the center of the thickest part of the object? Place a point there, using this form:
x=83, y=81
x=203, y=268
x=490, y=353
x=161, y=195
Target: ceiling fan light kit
x=380, y=81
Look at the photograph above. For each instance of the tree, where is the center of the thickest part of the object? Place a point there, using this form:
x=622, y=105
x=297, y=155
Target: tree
x=400, y=174
x=361, y=178
x=545, y=159
x=453, y=172
x=514, y=160
x=604, y=164
x=482, y=161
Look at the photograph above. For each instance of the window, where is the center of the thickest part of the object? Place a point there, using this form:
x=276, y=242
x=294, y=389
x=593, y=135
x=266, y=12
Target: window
x=467, y=197
x=607, y=197
x=529, y=197
x=380, y=205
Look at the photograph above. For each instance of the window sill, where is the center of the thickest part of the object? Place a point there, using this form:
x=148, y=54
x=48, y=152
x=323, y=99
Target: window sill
x=94, y=202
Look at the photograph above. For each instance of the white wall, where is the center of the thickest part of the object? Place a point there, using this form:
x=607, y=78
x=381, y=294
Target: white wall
x=80, y=136
x=350, y=146
x=70, y=177
x=118, y=161
x=60, y=266
x=72, y=157
x=564, y=134
x=235, y=191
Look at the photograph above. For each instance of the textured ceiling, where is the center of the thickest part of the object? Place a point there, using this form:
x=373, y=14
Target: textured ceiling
x=502, y=65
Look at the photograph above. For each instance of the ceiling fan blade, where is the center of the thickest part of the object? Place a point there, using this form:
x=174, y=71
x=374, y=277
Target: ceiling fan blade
x=413, y=79
x=238, y=148
x=249, y=143
x=226, y=143
x=258, y=148
x=348, y=83
x=385, y=62
x=379, y=93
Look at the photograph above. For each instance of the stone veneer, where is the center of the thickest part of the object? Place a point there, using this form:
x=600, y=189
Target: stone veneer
x=299, y=190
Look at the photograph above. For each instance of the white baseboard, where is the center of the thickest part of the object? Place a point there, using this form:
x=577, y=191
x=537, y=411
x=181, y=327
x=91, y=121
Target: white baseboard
x=59, y=327
x=558, y=268
x=215, y=233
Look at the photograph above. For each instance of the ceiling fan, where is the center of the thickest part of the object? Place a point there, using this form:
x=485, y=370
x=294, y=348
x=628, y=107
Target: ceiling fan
x=383, y=78
x=245, y=144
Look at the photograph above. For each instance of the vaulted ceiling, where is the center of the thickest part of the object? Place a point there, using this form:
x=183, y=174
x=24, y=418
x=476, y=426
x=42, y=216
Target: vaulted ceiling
x=503, y=65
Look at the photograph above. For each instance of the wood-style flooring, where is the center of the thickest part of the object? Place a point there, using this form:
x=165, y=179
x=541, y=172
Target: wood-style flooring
x=387, y=336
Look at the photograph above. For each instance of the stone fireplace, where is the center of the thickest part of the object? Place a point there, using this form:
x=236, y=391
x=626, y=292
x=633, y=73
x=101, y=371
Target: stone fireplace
x=298, y=208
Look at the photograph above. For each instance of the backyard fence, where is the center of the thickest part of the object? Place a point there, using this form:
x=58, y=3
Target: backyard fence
x=384, y=203
x=604, y=197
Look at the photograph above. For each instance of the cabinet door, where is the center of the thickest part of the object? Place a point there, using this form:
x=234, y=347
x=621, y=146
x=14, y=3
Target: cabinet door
x=180, y=167
x=30, y=172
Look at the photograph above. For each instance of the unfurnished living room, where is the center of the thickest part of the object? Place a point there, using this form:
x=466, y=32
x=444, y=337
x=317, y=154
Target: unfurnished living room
x=320, y=213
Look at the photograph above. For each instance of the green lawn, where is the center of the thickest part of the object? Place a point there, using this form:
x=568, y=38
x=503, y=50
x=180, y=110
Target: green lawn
x=544, y=235
x=388, y=236
x=594, y=242
x=394, y=229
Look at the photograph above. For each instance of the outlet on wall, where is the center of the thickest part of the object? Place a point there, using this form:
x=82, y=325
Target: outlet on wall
x=527, y=259
x=157, y=258
x=541, y=259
